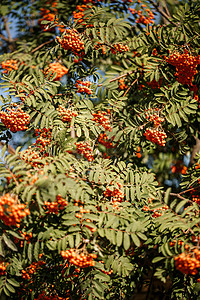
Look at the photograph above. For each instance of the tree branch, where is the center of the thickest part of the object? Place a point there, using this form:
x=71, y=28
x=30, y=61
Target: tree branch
x=166, y=16
x=10, y=40
x=48, y=42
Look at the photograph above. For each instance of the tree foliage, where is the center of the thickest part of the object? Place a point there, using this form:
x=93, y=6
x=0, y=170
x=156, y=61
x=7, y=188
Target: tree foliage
x=99, y=201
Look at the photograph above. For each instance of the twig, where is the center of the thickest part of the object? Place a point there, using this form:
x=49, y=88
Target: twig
x=161, y=12
x=119, y=77
x=7, y=29
x=48, y=42
x=4, y=38
x=130, y=87
x=166, y=8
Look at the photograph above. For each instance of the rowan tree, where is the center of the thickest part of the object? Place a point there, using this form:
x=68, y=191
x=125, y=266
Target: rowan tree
x=100, y=164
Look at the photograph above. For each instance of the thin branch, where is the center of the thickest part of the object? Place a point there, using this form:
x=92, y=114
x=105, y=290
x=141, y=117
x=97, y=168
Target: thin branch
x=166, y=8
x=130, y=87
x=48, y=42
x=7, y=29
x=119, y=77
x=156, y=6
x=4, y=38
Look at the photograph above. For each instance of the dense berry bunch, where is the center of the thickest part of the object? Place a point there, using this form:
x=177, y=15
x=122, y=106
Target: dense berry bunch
x=83, y=87
x=153, y=115
x=196, y=198
x=26, y=274
x=58, y=69
x=122, y=85
x=156, y=136
x=47, y=15
x=3, y=268
x=119, y=48
x=43, y=139
x=186, y=66
x=188, y=263
x=11, y=212
x=32, y=157
x=142, y=18
x=9, y=65
x=53, y=207
x=102, y=118
x=79, y=14
x=116, y=194
x=15, y=119
x=85, y=149
x=103, y=139
x=79, y=258
x=72, y=41
x=66, y=114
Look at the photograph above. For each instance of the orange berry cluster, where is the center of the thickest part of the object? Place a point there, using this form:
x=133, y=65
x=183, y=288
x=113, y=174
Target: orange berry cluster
x=58, y=69
x=15, y=119
x=79, y=258
x=82, y=211
x=141, y=18
x=47, y=15
x=153, y=115
x=186, y=66
x=53, y=207
x=122, y=85
x=102, y=118
x=179, y=167
x=83, y=87
x=9, y=65
x=156, y=136
x=115, y=194
x=26, y=274
x=173, y=243
x=156, y=212
x=196, y=198
x=85, y=149
x=80, y=14
x=44, y=139
x=30, y=156
x=103, y=139
x=119, y=48
x=11, y=212
x=3, y=268
x=188, y=263
x=66, y=114
x=72, y=41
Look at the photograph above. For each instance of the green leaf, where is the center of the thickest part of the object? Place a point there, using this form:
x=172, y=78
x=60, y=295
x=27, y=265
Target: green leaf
x=9, y=243
x=126, y=241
